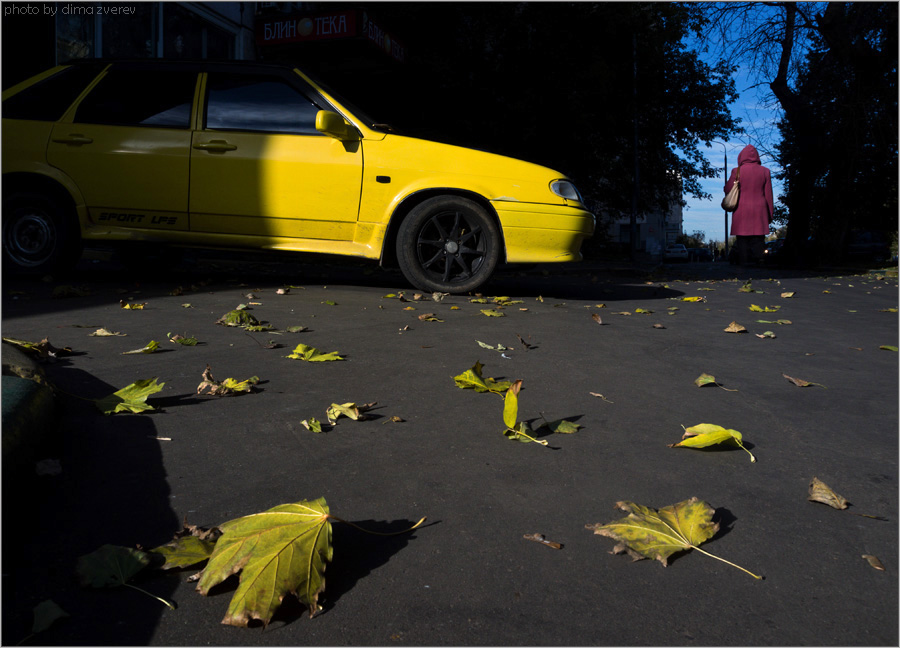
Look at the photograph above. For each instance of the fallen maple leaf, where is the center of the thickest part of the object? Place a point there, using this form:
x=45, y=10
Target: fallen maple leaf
x=472, y=379
x=279, y=551
x=43, y=350
x=237, y=317
x=648, y=533
x=131, y=398
x=184, y=551
x=112, y=566
x=311, y=354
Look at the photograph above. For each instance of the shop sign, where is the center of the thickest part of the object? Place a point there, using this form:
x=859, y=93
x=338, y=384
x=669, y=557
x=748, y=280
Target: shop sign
x=332, y=26
x=277, y=31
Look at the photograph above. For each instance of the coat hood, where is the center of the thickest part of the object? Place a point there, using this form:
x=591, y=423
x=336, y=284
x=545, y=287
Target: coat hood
x=748, y=155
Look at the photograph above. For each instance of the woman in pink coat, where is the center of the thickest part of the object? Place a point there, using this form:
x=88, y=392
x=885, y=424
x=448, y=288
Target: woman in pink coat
x=755, y=209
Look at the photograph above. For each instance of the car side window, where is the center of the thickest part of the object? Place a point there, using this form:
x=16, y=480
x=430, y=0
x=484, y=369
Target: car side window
x=261, y=103
x=152, y=98
x=49, y=99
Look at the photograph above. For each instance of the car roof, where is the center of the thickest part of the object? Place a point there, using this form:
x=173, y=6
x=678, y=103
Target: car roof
x=186, y=64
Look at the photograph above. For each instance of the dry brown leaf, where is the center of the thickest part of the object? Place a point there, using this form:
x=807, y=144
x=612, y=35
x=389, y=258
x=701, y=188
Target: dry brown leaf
x=596, y=318
x=734, y=327
x=820, y=492
x=873, y=561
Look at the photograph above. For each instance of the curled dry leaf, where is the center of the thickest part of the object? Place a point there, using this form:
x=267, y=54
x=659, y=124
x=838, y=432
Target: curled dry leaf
x=227, y=387
x=802, y=383
x=102, y=332
x=596, y=318
x=492, y=312
x=128, y=306
x=873, y=562
x=539, y=537
x=706, y=434
x=820, y=492
x=429, y=317
x=313, y=425
x=734, y=327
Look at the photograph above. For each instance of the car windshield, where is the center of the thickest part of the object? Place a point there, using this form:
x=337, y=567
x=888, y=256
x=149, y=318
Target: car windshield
x=351, y=106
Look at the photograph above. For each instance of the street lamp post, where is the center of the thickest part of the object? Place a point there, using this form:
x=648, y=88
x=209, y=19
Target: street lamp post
x=725, y=173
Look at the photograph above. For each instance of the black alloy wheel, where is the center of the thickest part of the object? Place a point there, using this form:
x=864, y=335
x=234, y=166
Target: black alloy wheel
x=448, y=244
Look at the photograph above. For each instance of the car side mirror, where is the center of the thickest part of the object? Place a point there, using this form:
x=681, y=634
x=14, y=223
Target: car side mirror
x=335, y=126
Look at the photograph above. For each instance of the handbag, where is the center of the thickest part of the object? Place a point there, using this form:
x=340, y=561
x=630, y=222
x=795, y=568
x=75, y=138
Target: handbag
x=730, y=201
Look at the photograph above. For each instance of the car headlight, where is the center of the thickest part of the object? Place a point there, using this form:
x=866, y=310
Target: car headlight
x=565, y=189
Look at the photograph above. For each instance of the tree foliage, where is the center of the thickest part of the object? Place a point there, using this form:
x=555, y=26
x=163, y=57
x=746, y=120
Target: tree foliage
x=832, y=70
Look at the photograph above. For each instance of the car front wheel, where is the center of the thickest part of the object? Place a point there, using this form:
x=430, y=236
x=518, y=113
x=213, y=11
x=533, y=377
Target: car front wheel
x=38, y=234
x=448, y=244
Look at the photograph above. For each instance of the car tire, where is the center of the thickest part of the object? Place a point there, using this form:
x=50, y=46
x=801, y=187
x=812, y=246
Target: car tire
x=39, y=234
x=448, y=244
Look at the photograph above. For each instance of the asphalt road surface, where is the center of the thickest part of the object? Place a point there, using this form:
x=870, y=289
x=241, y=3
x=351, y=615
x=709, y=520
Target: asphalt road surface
x=467, y=576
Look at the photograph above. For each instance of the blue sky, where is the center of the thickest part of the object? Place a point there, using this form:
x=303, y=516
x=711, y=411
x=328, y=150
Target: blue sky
x=757, y=117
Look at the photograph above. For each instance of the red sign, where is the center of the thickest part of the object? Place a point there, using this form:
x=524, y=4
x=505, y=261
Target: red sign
x=332, y=26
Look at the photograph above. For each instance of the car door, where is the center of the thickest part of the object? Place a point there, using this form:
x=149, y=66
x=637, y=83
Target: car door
x=260, y=168
x=127, y=146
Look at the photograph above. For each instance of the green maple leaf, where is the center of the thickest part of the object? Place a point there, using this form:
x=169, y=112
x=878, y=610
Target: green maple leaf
x=311, y=354
x=237, y=317
x=472, y=379
x=648, y=533
x=279, y=551
x=131, y=398
x=184, y=552
x=707, y=434
x=112, y=566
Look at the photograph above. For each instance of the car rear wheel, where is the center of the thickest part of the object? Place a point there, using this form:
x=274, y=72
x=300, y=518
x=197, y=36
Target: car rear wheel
x=448, y=244
x=39, y=235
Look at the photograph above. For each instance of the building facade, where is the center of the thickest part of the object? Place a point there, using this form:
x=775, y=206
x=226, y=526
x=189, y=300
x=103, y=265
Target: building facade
x=62, y=31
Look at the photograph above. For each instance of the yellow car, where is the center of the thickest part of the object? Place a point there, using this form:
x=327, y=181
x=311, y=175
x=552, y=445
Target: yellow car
x=257, y=156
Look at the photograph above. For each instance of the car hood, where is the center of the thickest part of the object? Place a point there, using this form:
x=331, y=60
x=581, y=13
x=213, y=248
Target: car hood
x=497, y=177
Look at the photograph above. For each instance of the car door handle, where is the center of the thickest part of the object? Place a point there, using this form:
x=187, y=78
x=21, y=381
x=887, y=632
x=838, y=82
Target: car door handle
x=72, y=138
x=215, y=146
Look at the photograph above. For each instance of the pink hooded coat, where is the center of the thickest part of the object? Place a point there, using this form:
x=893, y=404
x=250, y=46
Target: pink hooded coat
x=755, y=206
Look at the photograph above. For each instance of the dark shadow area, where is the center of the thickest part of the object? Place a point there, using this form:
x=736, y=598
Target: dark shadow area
x=357, y=554
x=112, y=489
